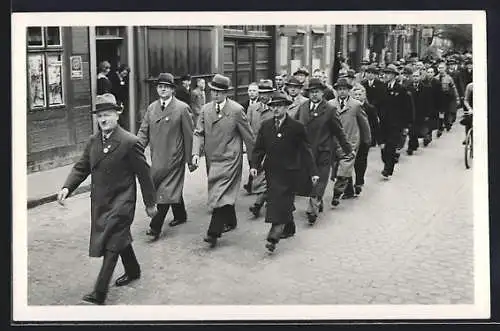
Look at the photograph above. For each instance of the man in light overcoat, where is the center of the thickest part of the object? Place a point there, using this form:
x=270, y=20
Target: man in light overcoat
x=294, y=88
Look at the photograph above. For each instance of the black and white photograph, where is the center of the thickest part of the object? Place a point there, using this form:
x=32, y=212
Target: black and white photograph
x=181, y=167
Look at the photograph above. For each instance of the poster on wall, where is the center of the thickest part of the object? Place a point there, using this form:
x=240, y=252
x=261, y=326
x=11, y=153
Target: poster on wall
x=36, y=80
x=76, y=67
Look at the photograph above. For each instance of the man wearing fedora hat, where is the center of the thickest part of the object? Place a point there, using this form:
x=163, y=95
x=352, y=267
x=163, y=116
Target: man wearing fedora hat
x=114, y=158
x=183, y=92
x=395, y=118
x=221, y=130
x=375, y=88
x=258, y=113
x=294, y=87
x=167, y=128
x=322, y=124
x=283, y=152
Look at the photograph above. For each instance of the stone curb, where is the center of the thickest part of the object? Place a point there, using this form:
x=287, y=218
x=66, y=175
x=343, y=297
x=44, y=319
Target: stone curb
x=32, y=203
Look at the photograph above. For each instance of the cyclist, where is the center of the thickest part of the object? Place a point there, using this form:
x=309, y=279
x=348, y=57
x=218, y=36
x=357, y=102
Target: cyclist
x=467, y=118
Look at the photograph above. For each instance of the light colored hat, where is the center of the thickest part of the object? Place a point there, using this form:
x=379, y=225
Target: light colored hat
x=220, y=83
x=106, y=101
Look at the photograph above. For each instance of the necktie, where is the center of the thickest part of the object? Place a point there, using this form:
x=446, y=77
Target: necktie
x=218, y=108
x=313, y=108
x=163, y=105
x=277, y=124
x=342, y=104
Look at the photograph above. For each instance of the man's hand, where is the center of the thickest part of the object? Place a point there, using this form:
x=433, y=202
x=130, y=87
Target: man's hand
x=151, y=211
x=315, y=179
x=253, y=172
x=405, y=131
x=382, y=146
x=195, y=160
x=350, y=156
x=62, y=195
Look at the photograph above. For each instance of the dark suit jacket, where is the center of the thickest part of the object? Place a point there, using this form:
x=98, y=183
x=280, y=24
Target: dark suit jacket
x=114, y=168
x=375, y=93
x=286, y=151
x=395, y=112
x=183, y=94
x=373, y=120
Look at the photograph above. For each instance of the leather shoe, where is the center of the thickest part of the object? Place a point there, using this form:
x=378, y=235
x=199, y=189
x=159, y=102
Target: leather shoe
x=228, y=228
x=311, y=219
x=335, y=201
x=409, y=152
x=358, y=189
x=176, y=222
x=126, y=279
x=255, y=210
x=153, y=234
x=211, y=240
x=348, y=196
x=96, y=298
x=271, y=247
x=248, y=188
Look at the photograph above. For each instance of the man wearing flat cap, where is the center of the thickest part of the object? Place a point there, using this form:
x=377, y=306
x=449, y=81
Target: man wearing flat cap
x=114, y=158
x=322, y=124
x=167, y=128
x=221, y=130
x=282, y=150
x=294, y=88
x=258, y=113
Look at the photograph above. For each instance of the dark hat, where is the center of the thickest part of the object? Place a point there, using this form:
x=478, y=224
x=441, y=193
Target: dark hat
x=294, y=82
x=315, y=83
x=165, y=78
x=342, y=82
x=372, y=69
x=106, y=101
x=266, y=86
x=186, y=77
x=301, y=71
x=408, y=70
x=220, y=83
x=391, y=68
x=279, y=98
x=365, y=62
x=351, y=73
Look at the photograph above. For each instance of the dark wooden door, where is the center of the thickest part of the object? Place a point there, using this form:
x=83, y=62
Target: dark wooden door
x=246, y=61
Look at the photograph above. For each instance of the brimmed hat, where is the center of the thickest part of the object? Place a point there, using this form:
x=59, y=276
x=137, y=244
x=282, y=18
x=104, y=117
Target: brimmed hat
x=342, y=82
x=301, y=71
x=266, y=86
x=165, y=78
x=220, y=83
x=186, y=77
x=294, y=82
x=391, y=68
x=106, y=101
x=315, y=83
x=279, y=98
x=408, y=70
x=372, y=69
x=351, y=73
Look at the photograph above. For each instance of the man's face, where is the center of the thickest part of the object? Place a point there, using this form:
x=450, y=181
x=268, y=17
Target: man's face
x=293, y=90
x=301, y=77
x=279, y=110
x=359, y=95
x=265, y=97
x=316, y=95
x=201, y=84
x=388, y=76
x=253, y=92
x=430, y=73
x=370, y=75
x=219, y=96
x=318, y=75
x=164, y=91
x=416, y=76
x=279, y=81
x=469, y=66
x=343, y=91
x=124, y=73
x=442, y=68
x=107, y=120
x=186, y=83
x=324, y=77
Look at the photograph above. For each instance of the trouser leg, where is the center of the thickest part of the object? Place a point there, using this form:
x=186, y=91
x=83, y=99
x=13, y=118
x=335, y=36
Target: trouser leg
x=129, y=260
x=108, y=267
x=313, y=206
x=157, y=221
x=179, y=210
x=275, y=233
x=230, y=214
x=216, y=222
x=261, y=199
x=361, y=164
x=289, y=228
x=388, y=156
x=340, y=186
x=349, y=189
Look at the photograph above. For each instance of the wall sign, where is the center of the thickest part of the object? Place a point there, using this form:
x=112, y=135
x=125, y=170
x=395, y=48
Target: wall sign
x=76, y=67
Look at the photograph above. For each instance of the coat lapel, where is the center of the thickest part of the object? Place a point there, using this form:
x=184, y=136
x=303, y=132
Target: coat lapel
x=223, y=112
x=318, y=112
x=101, y=151
x=347, y=106
x=161, y=114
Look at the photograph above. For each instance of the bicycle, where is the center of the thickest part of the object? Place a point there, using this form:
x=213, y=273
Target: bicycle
x=468, y=149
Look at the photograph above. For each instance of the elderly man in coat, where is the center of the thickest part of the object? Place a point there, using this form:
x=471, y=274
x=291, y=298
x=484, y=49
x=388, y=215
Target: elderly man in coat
x=294, y=88
x=168, y=129
x=221, y=130
x=114, y=158
x=322, y=124
x=356, y=126
x=282, y=142
x=258, y=113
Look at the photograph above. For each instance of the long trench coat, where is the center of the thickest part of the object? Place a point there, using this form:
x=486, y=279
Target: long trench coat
x=258, y=113
x=294, y=107
x=170, y=136
x=114, y=168
x=287, y=156
x=321, y=126
x=356, y=126
x=222, y=136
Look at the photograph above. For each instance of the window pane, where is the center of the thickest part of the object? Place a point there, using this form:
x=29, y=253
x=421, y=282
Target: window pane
x=35, y=36
x=36, y=80
x=317, y=40
x=53, y=36
x=297, y=53
x=298, y=39
x=54, y=72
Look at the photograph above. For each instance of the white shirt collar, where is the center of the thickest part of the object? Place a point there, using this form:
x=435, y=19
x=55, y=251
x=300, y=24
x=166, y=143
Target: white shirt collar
x=222, y=104
x=166, y=102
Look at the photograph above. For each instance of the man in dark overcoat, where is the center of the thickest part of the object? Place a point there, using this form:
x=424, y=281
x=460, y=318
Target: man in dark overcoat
x=375, y=89
x=322, y=124
x=167, y=128
x=283, y=143
x=395, y=118
x=114, y=158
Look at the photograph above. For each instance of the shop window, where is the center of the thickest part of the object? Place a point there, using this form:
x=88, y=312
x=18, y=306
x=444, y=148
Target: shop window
x=45, y=68
x=318, y=42
x=297, y=51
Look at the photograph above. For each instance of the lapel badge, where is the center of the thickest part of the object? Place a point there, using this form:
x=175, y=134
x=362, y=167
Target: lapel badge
x=106, y=149
x=220, y=116
x=279, y=135
x=167, y=119
x=315, y=114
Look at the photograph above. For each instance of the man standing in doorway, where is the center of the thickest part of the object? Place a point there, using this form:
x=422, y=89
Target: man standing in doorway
x=114, y=158
x=221, y=130
x=168, y=129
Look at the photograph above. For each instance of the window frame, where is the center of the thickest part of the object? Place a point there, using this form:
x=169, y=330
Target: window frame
x=35, y=47
x=45, y=52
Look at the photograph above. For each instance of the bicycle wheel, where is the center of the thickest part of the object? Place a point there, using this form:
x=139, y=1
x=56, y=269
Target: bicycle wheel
x=468, y=150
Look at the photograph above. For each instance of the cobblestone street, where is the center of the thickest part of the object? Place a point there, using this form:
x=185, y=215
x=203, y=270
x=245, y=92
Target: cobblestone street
x=405, y=241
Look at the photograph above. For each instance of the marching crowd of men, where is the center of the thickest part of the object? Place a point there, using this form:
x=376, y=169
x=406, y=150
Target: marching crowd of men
x=299, y=133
